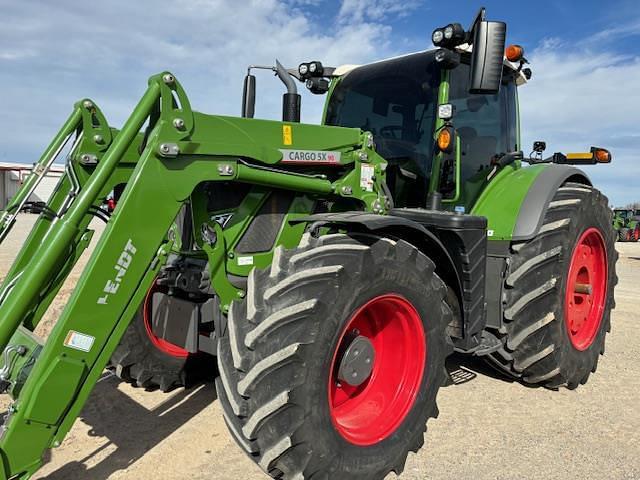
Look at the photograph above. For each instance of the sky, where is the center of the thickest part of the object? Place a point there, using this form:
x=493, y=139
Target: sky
x=584, y=55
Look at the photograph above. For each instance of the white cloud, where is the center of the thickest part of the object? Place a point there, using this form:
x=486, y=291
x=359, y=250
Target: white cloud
x=579, y=97
x=53, y=53
x=375, y=10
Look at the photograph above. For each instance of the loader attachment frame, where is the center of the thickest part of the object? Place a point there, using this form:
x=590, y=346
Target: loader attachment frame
x=60, y=374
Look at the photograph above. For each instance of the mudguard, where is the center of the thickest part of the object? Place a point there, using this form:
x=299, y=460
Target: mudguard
x=539, y=196
x=515, y=200
x=403, y=228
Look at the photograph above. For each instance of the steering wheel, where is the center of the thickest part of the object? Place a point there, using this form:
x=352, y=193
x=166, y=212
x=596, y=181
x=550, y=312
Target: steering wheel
x=391, y=131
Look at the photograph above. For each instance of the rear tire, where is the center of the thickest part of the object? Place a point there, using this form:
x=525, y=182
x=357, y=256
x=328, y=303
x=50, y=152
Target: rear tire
x=275, y=358
x=624, y=235
x=553, y=338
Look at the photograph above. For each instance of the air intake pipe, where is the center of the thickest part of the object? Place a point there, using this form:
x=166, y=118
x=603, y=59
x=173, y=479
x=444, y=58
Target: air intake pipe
x=291, y=99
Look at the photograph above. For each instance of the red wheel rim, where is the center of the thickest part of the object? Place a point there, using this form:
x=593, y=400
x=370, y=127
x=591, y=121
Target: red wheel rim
x=369, y=413
x=160, y=343
x=586, y=289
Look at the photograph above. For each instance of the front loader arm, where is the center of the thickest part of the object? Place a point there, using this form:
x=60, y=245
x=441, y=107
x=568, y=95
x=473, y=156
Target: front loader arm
x=40, y=169
x=36, y=416
x=93, y=137
x=134, y=246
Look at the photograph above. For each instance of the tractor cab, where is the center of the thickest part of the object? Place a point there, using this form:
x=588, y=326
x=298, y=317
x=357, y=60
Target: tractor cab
x=397, y=101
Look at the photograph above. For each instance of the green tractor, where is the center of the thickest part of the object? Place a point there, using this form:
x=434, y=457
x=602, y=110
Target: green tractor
x=326, y=271
x=626, y=224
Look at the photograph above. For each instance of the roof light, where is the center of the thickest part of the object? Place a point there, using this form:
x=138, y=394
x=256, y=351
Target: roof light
x=454, y=34
x=303, y=69
x=437, y=37
x=448, y=32
x=316, y=69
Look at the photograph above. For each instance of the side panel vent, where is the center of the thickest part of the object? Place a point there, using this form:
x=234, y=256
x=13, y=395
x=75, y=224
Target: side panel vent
x=263, y=230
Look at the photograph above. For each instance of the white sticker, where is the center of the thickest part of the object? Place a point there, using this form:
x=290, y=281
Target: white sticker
x=79, y=341
x=489, y=233
x=366, y=177
x=245, y=260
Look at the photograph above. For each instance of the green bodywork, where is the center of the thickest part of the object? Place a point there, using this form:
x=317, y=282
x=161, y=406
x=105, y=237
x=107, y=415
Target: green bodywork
x=177, y=158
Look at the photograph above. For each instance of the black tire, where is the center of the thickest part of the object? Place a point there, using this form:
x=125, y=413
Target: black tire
x=138, y=361
x=280, y=416
x=624, y=234
x=536, y=344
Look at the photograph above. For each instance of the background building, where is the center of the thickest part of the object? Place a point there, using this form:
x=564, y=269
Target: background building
x=13, y=174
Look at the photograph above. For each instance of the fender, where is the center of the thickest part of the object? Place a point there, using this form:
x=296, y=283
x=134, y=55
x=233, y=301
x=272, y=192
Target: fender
x=533, y=187
x=539, y=196
x=515, y=200
x=402, y=228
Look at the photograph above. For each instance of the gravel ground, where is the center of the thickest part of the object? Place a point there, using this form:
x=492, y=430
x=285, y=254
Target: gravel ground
x=488, y=428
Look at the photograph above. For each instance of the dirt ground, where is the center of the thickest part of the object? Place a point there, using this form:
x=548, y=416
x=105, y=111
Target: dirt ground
x=488, y=428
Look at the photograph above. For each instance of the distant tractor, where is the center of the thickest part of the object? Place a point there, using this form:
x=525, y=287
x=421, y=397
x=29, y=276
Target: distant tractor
x=626, y=223
x=324, y=272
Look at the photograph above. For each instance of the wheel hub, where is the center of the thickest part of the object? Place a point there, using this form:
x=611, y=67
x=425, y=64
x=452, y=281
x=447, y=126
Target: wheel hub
x=357, y=361
x=586, y=289
x=377, y=370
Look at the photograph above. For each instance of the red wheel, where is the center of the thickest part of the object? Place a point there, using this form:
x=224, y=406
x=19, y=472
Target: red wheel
x=636, y=234
x=160, y=343
x=586, y=289
x=370, y=412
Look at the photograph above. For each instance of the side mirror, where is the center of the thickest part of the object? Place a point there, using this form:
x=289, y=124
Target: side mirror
x=249, y=97
x=487, y=57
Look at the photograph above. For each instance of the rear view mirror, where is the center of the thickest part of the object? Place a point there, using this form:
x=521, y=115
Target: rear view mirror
x=487, y=57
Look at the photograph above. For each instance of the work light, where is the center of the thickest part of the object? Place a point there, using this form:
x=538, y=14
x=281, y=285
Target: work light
x=437, y=37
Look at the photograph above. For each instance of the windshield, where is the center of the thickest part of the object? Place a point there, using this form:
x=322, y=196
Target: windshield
x=396, y=101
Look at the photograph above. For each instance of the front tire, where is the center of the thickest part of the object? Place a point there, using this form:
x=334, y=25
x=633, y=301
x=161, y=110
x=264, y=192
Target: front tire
x=279, y=358
x=147, y=361
x=559, y=293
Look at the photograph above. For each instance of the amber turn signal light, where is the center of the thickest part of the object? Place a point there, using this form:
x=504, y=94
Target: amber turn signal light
x=514, y=53
x=445, y=140
x=601, y=155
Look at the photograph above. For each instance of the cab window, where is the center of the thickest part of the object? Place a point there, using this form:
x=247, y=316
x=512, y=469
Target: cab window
x=486, y=124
